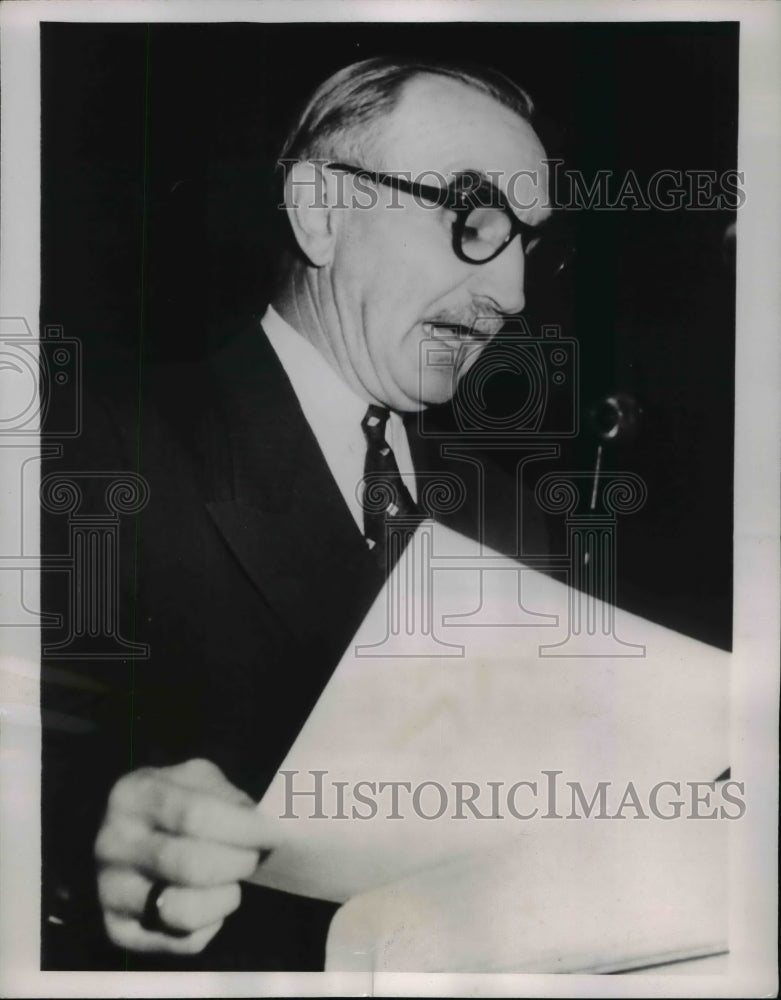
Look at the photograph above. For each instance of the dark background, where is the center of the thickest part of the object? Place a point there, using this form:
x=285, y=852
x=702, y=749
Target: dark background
x=159, y=233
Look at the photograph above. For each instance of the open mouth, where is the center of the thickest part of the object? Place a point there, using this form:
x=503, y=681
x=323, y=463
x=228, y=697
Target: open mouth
x=456, y=334
x=465, y=343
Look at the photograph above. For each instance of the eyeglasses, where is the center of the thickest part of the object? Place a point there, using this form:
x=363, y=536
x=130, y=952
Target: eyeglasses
x=484, y=226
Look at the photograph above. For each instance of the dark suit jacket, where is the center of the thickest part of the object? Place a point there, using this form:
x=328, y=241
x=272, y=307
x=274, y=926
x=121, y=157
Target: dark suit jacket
x=247, y=577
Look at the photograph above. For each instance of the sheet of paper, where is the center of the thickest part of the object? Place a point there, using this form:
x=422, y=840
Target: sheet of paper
x=468, y=676
x=589, y=896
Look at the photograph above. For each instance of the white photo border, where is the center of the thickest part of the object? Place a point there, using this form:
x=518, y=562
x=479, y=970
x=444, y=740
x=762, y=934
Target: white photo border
x=753, y=874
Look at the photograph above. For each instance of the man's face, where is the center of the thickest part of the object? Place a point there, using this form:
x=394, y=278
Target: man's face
x=395, y=287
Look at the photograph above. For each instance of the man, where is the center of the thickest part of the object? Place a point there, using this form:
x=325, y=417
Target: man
x=259, y=553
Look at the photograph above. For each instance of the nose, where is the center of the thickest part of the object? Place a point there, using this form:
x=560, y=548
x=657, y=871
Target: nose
x=501, y=279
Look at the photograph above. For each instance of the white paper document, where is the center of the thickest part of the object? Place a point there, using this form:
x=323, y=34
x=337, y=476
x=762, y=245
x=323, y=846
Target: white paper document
x=480, y=704
x=565, y=896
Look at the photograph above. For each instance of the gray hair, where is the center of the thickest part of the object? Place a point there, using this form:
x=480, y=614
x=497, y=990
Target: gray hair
x=342, y=115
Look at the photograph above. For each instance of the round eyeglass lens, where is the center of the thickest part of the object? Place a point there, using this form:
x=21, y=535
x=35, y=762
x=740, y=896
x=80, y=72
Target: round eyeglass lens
x=485, y=230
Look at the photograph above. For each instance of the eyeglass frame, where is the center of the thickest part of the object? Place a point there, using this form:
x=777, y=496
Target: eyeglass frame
x=462, y=202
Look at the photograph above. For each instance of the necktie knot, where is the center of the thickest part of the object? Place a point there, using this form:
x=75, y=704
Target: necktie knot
x=374, y=423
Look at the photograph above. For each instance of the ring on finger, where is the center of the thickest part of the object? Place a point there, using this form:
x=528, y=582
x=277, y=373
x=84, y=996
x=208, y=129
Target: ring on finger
x=152, y=918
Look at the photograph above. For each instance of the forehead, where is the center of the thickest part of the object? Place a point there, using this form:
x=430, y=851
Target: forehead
x=441, y=124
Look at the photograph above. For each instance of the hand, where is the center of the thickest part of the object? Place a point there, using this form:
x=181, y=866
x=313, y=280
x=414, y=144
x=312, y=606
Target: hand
x=188, y=826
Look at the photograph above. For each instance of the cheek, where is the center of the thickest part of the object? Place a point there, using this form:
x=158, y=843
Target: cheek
x=405, y=246
x=394, y=269
x=383, y=281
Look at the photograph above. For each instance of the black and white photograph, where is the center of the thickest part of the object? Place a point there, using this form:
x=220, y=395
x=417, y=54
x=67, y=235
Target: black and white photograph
x=389, y=567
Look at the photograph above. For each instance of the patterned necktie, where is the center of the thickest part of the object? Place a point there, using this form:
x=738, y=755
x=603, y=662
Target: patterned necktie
x=385, y=497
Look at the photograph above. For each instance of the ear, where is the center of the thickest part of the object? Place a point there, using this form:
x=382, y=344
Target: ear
x=310, y=199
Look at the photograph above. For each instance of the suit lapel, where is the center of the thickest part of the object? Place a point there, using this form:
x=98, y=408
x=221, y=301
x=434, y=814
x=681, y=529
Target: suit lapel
x=284, y=517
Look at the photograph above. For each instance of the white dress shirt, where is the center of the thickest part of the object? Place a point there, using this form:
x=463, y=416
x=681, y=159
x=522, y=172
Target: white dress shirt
x=334, y=412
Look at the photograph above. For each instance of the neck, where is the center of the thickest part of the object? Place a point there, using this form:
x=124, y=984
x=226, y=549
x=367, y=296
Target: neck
x=299, y=302
x=296, y=305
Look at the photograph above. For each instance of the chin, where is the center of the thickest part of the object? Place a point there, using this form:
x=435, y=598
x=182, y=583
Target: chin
x=437, y=387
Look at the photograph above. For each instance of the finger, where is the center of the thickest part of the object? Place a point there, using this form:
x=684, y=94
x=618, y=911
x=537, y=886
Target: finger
x=127, y=933
x=126, y=842
x=205, y=776
x=124, y=892
x=187, y=812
